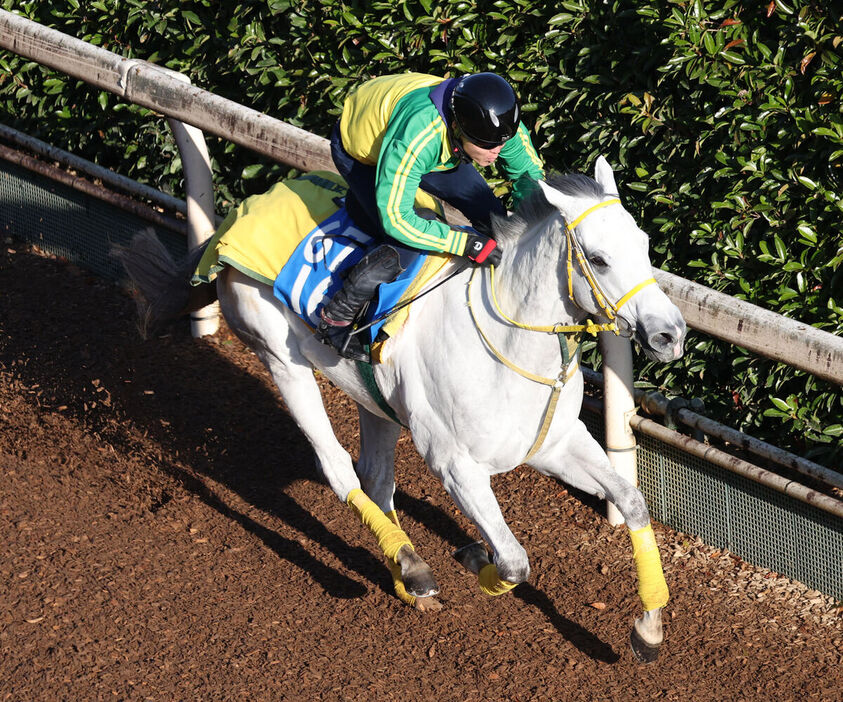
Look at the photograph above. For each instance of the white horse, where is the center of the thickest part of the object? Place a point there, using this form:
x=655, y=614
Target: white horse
x=476, y=387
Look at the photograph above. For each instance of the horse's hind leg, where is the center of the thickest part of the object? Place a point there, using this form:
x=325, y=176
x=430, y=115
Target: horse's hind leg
x=256, y=317
x=251, y=312
x=413, y=579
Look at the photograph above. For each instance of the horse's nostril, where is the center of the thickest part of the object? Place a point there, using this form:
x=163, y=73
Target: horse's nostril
x=663, y=340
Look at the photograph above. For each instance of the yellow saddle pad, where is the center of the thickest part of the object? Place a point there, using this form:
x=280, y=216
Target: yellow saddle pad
x=260, y=235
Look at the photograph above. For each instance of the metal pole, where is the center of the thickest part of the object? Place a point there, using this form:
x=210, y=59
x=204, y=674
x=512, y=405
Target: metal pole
x=84, y=185
x=657, y=404
x=108, y=177
x=730, y=463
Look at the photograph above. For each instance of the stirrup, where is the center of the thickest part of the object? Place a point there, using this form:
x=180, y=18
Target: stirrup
x=352, y=347
x=344, y=342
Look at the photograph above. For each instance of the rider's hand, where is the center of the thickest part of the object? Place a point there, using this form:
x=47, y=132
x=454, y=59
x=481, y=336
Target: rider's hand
x=481, y=249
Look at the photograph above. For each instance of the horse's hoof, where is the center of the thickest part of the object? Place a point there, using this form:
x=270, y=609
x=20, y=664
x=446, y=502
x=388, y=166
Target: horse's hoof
x=422, y=588
x=417, y=577
x=644, y=652
x=473, y=556
x=419, y=581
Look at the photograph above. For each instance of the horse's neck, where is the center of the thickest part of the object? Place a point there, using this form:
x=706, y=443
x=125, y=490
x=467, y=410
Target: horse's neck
x=527, y=289
x=533, y=283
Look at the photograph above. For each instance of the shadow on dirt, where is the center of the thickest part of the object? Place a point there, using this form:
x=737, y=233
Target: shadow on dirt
x=210, y=418
x=213, y=420
x=436, y=521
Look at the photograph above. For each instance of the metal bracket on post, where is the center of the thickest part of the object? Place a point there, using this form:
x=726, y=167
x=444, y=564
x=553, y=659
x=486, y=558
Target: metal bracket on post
x=619, y=407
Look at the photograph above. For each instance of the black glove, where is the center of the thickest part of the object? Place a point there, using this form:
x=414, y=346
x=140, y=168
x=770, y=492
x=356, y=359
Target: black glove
x=480, y=248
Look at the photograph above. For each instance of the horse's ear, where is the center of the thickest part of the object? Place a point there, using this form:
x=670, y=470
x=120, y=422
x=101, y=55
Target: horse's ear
x=564, y=203
x=604, y=176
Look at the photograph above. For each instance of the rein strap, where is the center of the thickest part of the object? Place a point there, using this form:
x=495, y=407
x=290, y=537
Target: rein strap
x=570, y=364
x=589, y=327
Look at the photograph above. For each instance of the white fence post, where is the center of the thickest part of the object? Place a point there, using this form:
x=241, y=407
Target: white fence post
x=199, y=190
x=199, y=195
x=619, y=406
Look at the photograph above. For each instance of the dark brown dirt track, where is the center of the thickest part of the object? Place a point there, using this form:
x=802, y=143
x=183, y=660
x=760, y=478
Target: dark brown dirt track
x=165, y=537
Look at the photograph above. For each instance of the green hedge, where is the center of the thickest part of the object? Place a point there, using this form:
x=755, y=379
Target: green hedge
x=723, y=120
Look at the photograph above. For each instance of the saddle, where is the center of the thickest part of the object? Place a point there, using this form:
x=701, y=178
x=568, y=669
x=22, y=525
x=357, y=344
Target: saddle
x=298, y=238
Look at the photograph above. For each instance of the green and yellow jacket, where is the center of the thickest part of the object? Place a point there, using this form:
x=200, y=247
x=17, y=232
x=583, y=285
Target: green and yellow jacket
x=391, y=123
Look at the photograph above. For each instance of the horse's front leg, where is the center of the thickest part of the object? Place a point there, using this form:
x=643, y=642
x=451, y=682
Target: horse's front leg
x=579, y=461
x=469, y=485
x=412, y=578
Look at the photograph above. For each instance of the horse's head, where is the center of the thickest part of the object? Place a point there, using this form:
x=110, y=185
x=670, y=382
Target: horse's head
x=607, y=264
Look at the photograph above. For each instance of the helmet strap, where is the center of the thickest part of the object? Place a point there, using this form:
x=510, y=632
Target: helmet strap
x=455, y=137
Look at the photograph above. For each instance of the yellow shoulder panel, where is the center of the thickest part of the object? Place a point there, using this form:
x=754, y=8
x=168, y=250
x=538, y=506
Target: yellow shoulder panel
x=367, y=111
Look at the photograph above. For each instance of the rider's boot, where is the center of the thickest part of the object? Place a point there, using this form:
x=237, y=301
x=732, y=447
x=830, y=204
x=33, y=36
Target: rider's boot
x=381, y=265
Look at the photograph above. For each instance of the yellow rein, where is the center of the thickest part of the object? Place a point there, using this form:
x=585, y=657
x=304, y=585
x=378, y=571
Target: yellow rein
x=570, y=367
x=552, y=382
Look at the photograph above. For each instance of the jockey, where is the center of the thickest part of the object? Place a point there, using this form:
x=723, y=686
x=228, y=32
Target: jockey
x=399, y=132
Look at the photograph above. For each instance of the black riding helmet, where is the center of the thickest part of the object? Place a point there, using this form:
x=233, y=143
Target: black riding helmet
x=485, y=109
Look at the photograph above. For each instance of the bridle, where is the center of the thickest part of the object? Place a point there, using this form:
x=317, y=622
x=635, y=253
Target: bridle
x=610, y=309
x=565, y=332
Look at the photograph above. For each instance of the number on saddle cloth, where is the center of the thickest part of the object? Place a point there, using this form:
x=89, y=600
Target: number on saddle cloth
x=314, y=272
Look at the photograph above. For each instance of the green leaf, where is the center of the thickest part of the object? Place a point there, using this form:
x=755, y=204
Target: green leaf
x=806, y=232
x=732, y=57
x=781, y=250
x=561, y=18
x=252, y=171
x=780, y=404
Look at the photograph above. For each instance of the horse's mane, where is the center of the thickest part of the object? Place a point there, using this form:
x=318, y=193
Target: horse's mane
x=535, y=207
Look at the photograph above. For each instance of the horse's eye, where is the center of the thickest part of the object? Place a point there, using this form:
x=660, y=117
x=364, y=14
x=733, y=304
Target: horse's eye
x=597, y=261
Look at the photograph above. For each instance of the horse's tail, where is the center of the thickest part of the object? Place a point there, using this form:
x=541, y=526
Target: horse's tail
x=163, y=285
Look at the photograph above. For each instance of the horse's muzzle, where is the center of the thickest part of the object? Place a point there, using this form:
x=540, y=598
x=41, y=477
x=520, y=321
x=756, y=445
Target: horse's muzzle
x=661, y=340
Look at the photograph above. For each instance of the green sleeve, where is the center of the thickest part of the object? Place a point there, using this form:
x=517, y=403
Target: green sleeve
x=411, y=149
x=521, y=164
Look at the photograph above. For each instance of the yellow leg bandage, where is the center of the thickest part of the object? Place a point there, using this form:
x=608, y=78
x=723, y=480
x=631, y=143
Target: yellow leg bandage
x=652, y=588
x=491, y=583
x=390, y=537
x=395, y=569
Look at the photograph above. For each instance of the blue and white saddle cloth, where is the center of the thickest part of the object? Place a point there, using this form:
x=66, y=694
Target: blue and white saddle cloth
x=315, y=269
